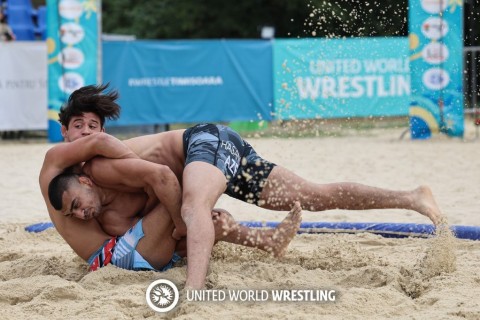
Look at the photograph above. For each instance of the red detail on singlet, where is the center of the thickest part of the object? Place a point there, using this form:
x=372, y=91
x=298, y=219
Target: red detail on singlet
x=104, y=256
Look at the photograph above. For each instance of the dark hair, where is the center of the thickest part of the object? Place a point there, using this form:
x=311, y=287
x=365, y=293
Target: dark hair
x=58, y=186
x=4, y=16
x=91, y=99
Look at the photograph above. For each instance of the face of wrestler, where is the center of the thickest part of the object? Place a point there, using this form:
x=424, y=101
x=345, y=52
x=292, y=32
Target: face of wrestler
x=81, y=201
x=81, y=126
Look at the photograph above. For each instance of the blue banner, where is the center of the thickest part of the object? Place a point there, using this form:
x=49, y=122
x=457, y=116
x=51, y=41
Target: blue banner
x=332, y=78
x=72, y=31
x=436, y=54
x=190, y=81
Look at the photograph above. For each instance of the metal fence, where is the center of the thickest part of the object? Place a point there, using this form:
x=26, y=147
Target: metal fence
x=471, y=77
x=471, y=85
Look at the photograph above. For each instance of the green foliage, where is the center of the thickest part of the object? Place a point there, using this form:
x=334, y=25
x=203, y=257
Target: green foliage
x=37, y=3
x=207, y=19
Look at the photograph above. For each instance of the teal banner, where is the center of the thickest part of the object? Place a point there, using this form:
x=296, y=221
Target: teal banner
x=337, y=78
x=172, y=81
x=436, y=54
x=72, y=30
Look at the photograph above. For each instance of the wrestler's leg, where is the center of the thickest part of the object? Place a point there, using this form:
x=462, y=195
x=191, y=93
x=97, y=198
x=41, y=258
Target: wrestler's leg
x=273, y=240
x=157, y=246
x=203, y=184
x=284, y=187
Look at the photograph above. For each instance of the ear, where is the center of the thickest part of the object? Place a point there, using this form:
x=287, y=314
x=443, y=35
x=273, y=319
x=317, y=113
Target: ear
x=85, y=180
x=64, y=131
x=103, y=129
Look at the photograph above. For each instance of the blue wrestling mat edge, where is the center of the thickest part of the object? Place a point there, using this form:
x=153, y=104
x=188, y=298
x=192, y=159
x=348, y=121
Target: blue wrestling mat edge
x=388, y=230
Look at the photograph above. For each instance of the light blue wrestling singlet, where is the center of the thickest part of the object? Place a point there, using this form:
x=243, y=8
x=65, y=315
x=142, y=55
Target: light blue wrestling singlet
x=124, y=254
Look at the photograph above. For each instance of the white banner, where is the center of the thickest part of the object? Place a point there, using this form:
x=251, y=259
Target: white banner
x=23, y=86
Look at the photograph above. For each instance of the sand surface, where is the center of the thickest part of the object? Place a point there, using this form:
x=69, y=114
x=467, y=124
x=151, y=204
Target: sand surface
x=375, y=277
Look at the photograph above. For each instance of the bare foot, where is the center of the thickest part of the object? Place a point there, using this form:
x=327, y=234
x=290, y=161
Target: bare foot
x=223, y=222
x=274, y=241
x=427, y=206
x=286, y=230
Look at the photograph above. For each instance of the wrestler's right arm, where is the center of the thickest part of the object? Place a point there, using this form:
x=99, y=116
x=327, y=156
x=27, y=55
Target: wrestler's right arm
x=141, y=175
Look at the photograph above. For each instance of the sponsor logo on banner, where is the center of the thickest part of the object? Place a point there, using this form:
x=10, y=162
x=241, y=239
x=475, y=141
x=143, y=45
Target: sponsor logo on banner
x=436, y=78
x=70, y=9
x=70, y=82
x=435, y=60
x=435, y=53
x=71, y=33
x=72, y=30
x=434, y=28
x=434, y=6
x=71, y=58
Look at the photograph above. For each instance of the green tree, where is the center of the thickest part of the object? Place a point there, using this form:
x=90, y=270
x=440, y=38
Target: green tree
x=193, y=19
